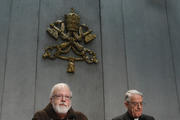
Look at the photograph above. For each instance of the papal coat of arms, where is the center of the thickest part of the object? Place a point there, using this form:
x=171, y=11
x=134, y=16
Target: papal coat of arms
x=72, y=34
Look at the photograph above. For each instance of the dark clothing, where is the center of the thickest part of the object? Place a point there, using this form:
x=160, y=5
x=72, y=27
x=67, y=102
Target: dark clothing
x=127, y=116
x=48, y=113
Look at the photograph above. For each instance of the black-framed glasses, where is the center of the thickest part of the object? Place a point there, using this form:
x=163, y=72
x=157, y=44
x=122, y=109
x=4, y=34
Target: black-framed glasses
x=137, y=103
x=59, y=97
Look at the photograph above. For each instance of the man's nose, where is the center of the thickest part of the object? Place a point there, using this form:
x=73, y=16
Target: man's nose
x=63, y=98
x=139, y=105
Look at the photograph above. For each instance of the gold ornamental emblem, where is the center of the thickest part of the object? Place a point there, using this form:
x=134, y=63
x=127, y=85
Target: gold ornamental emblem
x=73, y=35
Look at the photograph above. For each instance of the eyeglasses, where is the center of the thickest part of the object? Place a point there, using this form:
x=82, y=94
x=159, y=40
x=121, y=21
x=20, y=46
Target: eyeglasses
x=137, y=103
x=59, y=97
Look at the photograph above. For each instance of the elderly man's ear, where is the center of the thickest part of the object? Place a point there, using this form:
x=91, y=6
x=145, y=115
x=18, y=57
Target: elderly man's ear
x=126, y=104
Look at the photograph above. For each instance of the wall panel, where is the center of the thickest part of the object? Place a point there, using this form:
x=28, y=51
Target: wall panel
x=114, y=57
x=86, y=82
x=4, y=25
x=19, y=84
x=149, y=60
x=173, y=15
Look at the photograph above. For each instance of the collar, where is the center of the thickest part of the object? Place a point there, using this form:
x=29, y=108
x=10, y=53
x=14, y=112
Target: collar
x=131, y=118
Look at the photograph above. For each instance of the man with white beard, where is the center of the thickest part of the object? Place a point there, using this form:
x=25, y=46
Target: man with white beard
x=59, y=107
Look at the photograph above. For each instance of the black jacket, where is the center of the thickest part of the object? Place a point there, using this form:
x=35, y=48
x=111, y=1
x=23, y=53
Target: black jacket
x=127, y=116
x=48, y=113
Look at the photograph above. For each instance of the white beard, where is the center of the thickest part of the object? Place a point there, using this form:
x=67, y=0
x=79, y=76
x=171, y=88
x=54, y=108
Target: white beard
x=61, y=109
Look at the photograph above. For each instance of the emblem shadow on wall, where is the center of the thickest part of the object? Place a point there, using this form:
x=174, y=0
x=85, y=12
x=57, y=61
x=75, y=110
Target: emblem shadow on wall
x=72, y=34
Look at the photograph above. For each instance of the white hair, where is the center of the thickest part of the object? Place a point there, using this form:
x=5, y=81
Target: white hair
x=129, y=93
x=59, y=85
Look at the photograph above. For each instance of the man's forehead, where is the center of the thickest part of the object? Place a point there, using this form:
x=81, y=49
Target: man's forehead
x=136, y=97
x=63, y=89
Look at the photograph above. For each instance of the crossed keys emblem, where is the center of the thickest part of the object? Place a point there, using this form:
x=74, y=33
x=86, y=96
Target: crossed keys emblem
x=72, y=33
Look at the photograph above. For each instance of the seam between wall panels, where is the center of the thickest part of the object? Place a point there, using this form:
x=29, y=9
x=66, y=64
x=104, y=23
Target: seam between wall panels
x=36, y=68
x=172, y=55
x=124, y=39
x=102, y=63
